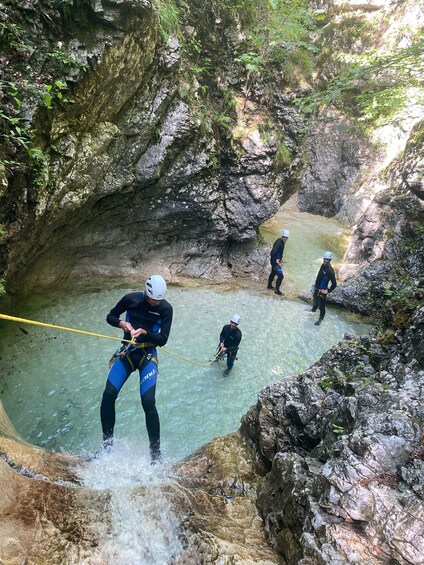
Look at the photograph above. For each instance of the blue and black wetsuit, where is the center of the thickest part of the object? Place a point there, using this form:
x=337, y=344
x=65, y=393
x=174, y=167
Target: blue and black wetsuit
x=157, y=321
x=276, y=268
x=231, y=338
x=324, y=278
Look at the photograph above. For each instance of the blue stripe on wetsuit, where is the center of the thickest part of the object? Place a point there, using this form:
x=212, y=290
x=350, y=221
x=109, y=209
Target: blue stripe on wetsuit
x=120, y=372
x=324, y=282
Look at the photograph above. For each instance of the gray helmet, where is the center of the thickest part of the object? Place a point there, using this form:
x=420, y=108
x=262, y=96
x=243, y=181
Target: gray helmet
x=285, y=233
x=235, y=319
x=328, y=255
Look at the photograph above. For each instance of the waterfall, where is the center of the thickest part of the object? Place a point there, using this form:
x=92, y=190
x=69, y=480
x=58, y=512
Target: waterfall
x=143, y=528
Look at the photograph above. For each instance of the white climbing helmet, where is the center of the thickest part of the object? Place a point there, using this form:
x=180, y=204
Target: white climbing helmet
x=155, y=287
x=285, y=233
x=235, y=319
x=328, y=255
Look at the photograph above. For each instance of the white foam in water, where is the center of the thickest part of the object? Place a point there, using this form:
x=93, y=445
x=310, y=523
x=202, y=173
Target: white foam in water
x=144, y=528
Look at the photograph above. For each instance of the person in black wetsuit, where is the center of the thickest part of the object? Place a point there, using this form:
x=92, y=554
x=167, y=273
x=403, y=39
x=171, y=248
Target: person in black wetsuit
x=324, y=278
x=276, y=261
x=148, y=320
x=229, y=341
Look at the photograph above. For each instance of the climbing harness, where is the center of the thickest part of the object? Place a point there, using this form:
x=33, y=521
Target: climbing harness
x=132, y=342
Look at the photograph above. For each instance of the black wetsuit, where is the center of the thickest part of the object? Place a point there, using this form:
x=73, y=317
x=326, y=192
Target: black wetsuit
x=231, y=338
x=276, y=268
x=157, y=321
x=325, y=276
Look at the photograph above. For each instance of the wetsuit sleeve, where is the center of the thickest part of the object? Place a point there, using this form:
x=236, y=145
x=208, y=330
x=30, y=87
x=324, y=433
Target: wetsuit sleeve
x=319, y=277
x=113, y=318
x=333, y=281
x=276, y=251
x=160, y=338
x=222, y=335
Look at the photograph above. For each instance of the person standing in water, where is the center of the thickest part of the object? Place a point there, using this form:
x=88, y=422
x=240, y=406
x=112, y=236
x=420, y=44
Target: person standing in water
x=325, y=277
x=148, y=321
x=229, y=341
x=276, y=260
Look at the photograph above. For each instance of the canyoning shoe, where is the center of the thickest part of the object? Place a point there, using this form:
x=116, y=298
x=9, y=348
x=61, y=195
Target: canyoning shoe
x=108, y=444
x=313, y=309
x=270, y=287
x=279, y=293
x=317, y=323
x=226, y=372
x=155, y=455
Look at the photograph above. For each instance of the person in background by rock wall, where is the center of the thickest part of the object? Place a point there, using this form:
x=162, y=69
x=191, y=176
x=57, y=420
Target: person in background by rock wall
x=277, y=262
x=148, y=320
x=325, y=276
x=229, y=341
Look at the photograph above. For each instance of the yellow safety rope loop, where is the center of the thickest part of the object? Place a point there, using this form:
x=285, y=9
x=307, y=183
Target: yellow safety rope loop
x=63, y=328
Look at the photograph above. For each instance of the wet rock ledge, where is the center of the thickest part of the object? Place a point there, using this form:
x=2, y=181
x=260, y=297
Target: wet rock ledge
x=342, y=451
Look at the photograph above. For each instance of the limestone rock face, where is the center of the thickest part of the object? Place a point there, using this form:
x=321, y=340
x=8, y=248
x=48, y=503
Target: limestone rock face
x=220, y=483
x=386, y=249
x=132, y=178
x=413, y=161
x=45, y=517
x=334, y=160
x=342, y=445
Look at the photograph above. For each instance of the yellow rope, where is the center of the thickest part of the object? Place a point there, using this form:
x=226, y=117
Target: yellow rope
x=34, y=323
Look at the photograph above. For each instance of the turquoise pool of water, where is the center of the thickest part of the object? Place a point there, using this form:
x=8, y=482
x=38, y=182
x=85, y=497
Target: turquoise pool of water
x=51, y=381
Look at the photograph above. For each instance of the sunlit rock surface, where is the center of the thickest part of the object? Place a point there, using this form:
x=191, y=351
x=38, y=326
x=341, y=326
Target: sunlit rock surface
x=47, y=516
x=223, y=522
x=342, y=446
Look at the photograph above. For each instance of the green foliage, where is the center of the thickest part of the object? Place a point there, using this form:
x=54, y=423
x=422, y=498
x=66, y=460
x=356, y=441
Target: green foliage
x=15, y=130
x=13, y=36
x=401, y=304
x=373, y=87
x=64, y=60
x=333, y=379
x=252, y=61
x=16, y=96
x=169, y=19
x=278, y=41
x=283, y=157
x=338, y=430
x=53, y=92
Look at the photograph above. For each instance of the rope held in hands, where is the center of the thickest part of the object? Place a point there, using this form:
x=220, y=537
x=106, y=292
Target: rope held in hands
x=63, y=328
